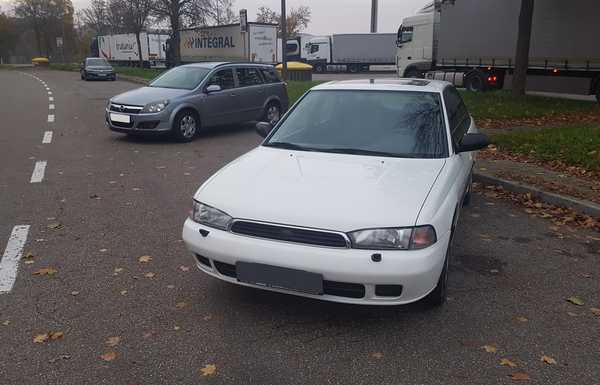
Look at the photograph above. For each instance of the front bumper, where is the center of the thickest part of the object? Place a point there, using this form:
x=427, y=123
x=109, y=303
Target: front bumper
x=417, y=271
x=158, y=123
x=100, y=75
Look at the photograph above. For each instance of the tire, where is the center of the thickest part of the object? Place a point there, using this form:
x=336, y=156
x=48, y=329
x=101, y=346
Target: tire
x=412, y=73
x=272, y=113
x=319, y=68
x=475, y=82
x=353, y=68
x=185, y=126
x=438, y=296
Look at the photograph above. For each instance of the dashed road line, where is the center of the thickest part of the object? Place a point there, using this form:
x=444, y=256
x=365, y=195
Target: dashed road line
x=38, y=172
x=50, y=98
x=49, y=92
x=11, y=257
x=50, y=118
x=47, y=137
x=51, y=106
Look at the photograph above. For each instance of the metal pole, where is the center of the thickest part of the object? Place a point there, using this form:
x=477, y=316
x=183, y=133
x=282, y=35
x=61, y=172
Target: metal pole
x=374, y=13
x=284, y=70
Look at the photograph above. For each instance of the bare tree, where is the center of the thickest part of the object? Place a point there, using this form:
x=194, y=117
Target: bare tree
x=222, y=12
x=8, y=35
x=135, y=16
x=96, y=17
x=523, y=44
x=297, y=19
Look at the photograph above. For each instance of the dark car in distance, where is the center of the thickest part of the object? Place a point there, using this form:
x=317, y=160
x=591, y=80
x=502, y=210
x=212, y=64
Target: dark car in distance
x=97, y=68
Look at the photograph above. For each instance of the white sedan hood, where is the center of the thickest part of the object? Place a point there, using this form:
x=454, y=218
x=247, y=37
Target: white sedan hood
x=322, y=190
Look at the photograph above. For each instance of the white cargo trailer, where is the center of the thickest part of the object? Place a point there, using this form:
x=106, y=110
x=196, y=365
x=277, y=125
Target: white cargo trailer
x=473, y=43
x=357, y=52
x=123, y=49
x=230, y=43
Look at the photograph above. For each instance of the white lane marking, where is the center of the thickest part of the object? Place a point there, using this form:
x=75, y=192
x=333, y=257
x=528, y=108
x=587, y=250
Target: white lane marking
x=12, y=254
x=47, y=137
x=49, y=92
x=38, y=172
x=50, y=99
x=50, y=118
x=51, y=106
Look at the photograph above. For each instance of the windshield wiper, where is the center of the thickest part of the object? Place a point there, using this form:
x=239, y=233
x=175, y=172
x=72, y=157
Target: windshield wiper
x=288, y=146
x=356, y=151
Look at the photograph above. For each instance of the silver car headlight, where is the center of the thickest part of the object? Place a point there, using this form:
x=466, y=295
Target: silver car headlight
x=210, y=216
x=402, y=238
x=156, y=106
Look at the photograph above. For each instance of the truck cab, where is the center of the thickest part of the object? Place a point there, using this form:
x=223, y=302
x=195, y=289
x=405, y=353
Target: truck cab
x=318, y=53
x=415, y=40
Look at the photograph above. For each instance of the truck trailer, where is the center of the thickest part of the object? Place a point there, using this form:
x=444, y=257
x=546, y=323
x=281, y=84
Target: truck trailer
x=357, y=52
x=472, y=43
x=252, y=42
x=122, y=49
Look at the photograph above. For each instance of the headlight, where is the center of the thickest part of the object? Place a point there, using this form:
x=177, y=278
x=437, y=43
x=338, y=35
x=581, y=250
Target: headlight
x=210, y=216
x=156, y=106
x=405, y=238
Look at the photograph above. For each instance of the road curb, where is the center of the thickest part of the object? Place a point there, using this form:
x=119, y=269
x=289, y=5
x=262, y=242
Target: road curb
x=583, y=206
x=132, y=79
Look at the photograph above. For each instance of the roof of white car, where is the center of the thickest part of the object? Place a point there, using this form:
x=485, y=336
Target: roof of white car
x=392, y=84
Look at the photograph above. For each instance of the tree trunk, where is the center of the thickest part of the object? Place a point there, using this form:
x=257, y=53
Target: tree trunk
x=175, y=41
x=523, y=43
x=139, y=45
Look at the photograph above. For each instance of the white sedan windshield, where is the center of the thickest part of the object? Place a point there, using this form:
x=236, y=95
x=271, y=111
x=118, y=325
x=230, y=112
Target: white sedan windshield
x=384, y=123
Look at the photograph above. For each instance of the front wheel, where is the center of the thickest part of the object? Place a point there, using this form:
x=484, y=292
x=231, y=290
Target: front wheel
x=185, y=126
x=438, y=296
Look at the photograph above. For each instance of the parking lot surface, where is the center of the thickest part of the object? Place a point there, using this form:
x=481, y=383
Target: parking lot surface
x=102, y=200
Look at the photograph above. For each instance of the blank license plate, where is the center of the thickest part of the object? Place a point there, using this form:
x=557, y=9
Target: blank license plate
x=279, y=277
x=120, y=118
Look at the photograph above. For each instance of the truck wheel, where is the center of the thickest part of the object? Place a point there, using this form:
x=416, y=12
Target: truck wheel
x=475, y=82
x=353, y=68
x=412, y=73
x=319, y=68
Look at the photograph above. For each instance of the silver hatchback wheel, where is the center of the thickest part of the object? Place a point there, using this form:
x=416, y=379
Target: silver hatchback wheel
x=273, y=114
x=187, y=126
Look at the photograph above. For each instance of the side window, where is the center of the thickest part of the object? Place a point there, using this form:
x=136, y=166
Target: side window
x=270, y=75
x=224, y=79
x=457, y=115
x=249, y=77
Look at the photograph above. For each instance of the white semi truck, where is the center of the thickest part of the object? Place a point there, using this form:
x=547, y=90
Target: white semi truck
x=123, y=50
x=472, y=43
x=252, y=42
x=357, y=52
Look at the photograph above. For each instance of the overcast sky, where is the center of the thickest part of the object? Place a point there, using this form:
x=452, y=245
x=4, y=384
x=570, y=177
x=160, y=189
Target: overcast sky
x=328, y=16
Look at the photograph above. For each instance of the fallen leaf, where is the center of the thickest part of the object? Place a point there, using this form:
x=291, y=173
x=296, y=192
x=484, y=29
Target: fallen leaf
x=507, y=362
x=184, y=268
x=74, y=292
x=377, y=355
x=103, y=250
x=109, y=356
x=520, y=376
x=150, y=275
x=490, y=348
x=61, y=357
x=207, y=317
x=45, y=271
x=6, y=323
x=29, y=256
x=117, y=270
x=41, y=338
x=521, y=319
x=208, y=370
x=144, y=259
x=181, y=305
x=572, y=314
x=123, y=292
x=176, y=328
x=576, y=301
x=170, y=286
x=595, y=311
x=55, y=226
x=56, y=335
x=113, y=341
x=548, y=360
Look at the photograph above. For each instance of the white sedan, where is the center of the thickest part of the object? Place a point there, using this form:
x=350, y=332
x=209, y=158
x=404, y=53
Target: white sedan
x=353, y=197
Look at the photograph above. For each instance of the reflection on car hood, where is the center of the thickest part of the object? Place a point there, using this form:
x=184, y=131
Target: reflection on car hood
x=145, y=95
x=321, y=190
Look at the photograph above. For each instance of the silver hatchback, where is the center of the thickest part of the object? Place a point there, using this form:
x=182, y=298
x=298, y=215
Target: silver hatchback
x=190, y=97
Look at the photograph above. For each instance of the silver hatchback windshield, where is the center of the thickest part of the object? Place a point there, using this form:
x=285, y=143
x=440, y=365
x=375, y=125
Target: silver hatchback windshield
x=185, y=78
x=400, y=124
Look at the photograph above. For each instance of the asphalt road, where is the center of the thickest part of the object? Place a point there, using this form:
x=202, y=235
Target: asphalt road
x=105, y=200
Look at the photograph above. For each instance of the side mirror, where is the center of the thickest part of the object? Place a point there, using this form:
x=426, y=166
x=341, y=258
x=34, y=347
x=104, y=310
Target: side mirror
x=473, y=142
x=213, y=88
x=263, y=128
